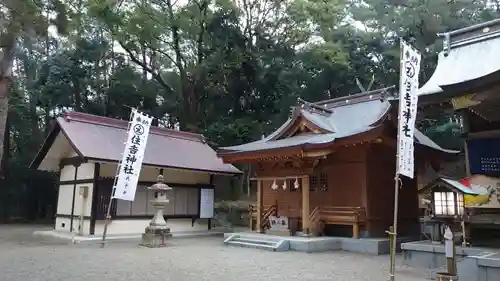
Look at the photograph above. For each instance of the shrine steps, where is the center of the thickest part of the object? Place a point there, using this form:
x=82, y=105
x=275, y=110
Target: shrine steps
x=274, y=244
x=303, y=243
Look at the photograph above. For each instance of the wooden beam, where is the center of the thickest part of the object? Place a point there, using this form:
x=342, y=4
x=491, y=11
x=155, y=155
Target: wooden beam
x=277, y=178
x=259, y=206
x=305, y=204
x=71, y=161
x=319, y=153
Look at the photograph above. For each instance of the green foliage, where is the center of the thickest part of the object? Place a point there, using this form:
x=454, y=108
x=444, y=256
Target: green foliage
x=228, y=69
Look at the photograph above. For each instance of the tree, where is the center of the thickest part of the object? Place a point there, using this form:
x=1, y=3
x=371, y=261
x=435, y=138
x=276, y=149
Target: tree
x=21, y=19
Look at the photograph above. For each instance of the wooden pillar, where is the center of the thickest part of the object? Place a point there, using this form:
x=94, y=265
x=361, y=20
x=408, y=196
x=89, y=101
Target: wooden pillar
x=305, y=204
x=464, y=114
x=259, y=206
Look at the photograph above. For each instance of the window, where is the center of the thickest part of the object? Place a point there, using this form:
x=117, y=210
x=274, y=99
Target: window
x=323, y=181
x=444, y=203
x=313, y=183
x=460, y=204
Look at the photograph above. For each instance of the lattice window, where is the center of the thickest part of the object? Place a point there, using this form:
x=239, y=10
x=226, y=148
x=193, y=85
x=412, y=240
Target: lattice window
x=313, y=183
x=445, y=204
x=323, y=181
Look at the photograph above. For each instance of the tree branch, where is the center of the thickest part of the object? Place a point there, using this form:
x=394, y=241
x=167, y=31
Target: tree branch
x=146, y=67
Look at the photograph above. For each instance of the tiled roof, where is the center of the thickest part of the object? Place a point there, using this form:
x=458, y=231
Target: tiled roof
x=473, y=54
x=348, y=117
x=461, y=187
x=101, y=138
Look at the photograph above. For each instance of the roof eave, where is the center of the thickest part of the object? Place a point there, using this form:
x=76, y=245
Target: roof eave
x=302, y=148
x=434, y=182
x=114, y=161
x=49, y=141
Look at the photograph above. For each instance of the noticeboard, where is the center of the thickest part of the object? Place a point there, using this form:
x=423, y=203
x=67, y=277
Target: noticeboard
x=206, y=203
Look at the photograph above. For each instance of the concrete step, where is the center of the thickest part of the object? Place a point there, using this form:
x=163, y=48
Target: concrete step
x=255, y=241
x=253, y=245
x=264, y=243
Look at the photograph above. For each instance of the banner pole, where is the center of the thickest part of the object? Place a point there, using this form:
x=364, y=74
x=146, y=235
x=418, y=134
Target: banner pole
x=108, y=218
x=393, y=232
x=108, y=210
x=394, y=228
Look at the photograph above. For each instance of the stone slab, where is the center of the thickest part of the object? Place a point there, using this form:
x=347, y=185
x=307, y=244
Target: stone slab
x=371, y=246
x=73, y=238
x=481, y=264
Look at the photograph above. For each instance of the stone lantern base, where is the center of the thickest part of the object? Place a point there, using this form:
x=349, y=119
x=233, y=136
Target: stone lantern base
x=155, y=237
x=157, y=231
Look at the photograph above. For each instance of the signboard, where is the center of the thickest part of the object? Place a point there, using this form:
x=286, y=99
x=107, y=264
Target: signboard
x=130, y=166
x=408, y=100
x=488, y=189
x=464, y=101
x=206, y=203
x=484, y=156
x=278, y=223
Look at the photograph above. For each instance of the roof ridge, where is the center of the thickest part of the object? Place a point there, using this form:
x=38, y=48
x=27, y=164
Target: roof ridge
x=122, y=124
x=356, y=98
x=470, y=28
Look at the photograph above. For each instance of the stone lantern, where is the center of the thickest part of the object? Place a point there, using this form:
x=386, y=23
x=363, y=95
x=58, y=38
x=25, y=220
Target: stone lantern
x=157, y=230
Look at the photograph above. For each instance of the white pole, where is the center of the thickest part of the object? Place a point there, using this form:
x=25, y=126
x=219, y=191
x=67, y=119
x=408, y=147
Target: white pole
x=82, y=213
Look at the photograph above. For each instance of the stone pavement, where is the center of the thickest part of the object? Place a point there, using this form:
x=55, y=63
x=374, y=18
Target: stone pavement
x=25, y=257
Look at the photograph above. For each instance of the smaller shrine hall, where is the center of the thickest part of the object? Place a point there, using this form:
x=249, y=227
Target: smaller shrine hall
x=466, y=83
x=329, y=169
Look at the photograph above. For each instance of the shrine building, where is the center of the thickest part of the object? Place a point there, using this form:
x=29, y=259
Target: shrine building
x=329, y=169
x=466, y=82
x=85, y=149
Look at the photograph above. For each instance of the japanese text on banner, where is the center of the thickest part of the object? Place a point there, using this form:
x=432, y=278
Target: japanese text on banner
x=130, y=168
x=408, y=100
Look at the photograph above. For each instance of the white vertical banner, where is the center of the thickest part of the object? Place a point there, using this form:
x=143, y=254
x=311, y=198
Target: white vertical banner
x=130, y=167
x=408, y=101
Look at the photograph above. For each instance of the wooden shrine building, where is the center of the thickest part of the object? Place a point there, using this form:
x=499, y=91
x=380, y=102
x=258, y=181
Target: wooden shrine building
x=467, y=82
x=86, y=149
x=330, y=168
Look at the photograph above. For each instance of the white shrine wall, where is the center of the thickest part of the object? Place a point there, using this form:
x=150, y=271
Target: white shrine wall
x=70, y=188
x=133, y=217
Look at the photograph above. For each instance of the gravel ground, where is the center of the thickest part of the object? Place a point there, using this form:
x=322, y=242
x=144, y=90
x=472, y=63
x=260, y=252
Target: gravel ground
x=24, y=257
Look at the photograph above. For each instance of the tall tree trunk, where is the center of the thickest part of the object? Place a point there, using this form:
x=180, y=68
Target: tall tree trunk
x=4, y=175
x=4, y=108
x=188, y=115
x=5, y=78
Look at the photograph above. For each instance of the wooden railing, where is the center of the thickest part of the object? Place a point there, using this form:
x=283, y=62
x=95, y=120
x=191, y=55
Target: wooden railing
x=318, y=218
x=268, y=210
x=315, y=224
x=353, y=216
x=271, y=211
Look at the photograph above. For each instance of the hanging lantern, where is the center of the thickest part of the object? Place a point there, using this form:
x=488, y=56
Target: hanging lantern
x=284, y=185
x=274, y=186
x=296, y=183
